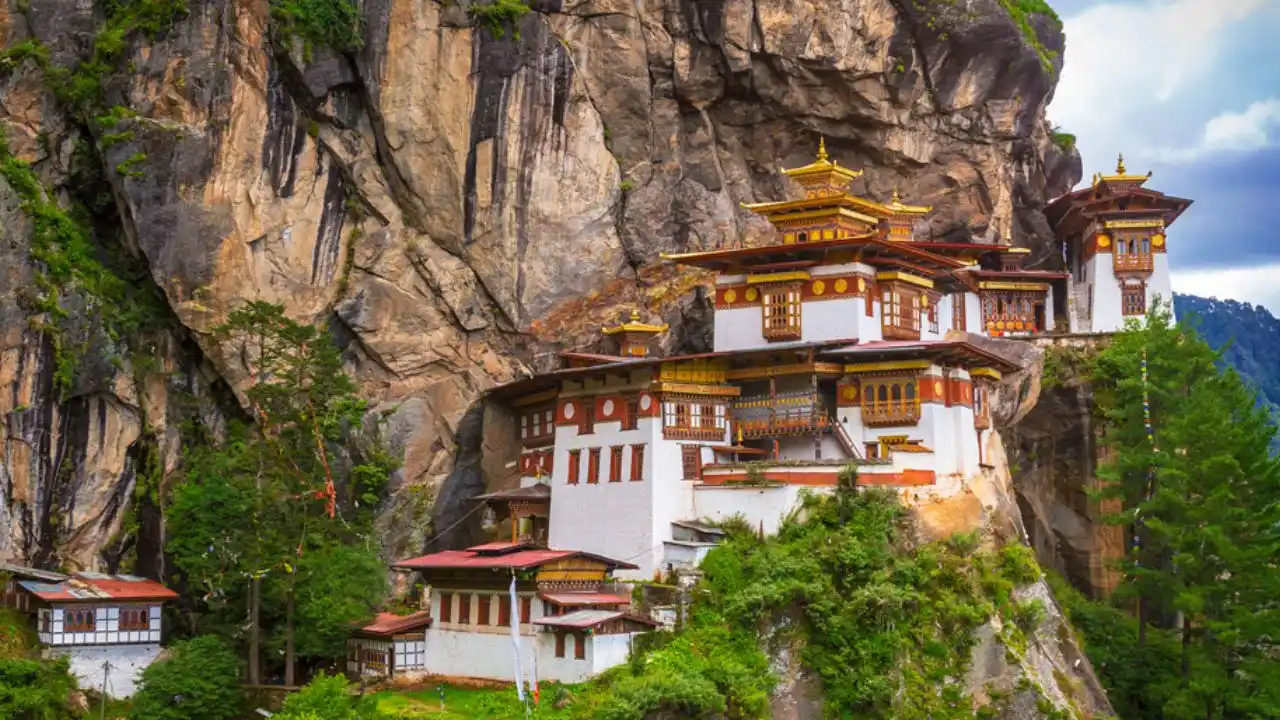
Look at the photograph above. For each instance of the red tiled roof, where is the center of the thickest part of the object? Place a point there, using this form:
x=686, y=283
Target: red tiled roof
x=519, y=560
x=92, y=587
x=585, y=598
x=495, y=547
x=389, y=623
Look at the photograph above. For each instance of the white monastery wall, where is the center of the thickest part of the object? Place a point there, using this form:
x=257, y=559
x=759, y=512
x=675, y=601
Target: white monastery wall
x=759, y=505
x=106, y=628
x=672, y=500
x=614, y=519
x=973, y=313
x=124, y=665
x=738, y=329
x=606, y=651
x=1107, y=315
x=830, y=319
x=1160, y=284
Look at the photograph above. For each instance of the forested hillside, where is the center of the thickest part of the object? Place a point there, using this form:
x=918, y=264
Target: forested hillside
x=1249, y=334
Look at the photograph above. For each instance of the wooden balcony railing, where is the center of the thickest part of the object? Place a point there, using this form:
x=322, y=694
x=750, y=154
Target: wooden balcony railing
x=1009, y=322
x=891, y=413
x=1133, y=263
x=676, y=432
x=794, y=422
x=782, y=332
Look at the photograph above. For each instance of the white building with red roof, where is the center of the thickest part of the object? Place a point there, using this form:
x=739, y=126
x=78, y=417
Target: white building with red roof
x=568, y=625
x=108, y=626
x=391, y=646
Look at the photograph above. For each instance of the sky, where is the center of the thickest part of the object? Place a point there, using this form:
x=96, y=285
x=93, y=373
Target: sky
x=1189, y=90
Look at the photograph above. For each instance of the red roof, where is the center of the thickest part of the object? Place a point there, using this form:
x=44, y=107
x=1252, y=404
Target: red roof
x=518, y=560
x=586, y=598
x=390, y=624
x=92, y=587
x=494, y=547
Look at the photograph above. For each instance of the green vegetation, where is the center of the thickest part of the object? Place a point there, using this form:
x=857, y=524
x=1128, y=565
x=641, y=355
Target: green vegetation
x=1200, y=494
x=332, y=23
x=1064, y=141
x=499, y=16
x=327, y=698
x=200, y=680
x=1021, y=12
x=35, y=689
x=274, y=505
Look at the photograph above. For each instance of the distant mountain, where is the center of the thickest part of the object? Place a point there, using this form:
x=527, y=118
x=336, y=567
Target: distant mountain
x=1250, y=334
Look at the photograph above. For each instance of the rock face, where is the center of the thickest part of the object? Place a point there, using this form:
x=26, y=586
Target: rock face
x=457, y=206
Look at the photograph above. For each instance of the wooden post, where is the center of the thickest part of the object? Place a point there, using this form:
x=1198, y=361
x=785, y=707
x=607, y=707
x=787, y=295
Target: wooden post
x=813, y=413
x=773, y=413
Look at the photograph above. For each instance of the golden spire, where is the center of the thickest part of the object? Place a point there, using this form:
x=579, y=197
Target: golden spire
x=1008, y=234
x=822, y=149
x=896, y=197
x=1120, y=165
x=634, y=326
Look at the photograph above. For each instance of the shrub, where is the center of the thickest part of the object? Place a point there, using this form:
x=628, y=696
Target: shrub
x=35, y=689
x=327, y=697
x=1018, y=564
x=499, y=16
x=199, y=681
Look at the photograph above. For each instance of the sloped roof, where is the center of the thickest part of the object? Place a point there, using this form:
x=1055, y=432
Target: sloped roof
x=585, y=598
x=481, y=557
x=390, y=624
x=95, y=587
x=580, y=619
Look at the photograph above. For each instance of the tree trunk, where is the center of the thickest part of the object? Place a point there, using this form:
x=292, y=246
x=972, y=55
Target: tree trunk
x=1186, y=646
x=255, y=660
x=289, y=659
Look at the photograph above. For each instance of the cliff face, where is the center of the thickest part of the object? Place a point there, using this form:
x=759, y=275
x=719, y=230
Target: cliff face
x=458, y=206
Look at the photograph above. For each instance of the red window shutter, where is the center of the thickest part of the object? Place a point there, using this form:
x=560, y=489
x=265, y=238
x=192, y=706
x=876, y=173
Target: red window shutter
x=593, y=465
x=637, y=463
x=580, y=647
x=464, y=608
x=525, y=609
x=559, y=644
x=504, y=610
x=483, y=618
x=615, y=463
x=575, y=464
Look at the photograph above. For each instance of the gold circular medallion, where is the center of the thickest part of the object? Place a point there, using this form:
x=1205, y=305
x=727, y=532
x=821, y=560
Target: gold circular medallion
x=1157, y=240
x=752, y=294
x=819, y=287
x=850, y=392
x=1104, y=241
x=937, y=388
x=842, y=285
x=1000, y=325
x=730, y=295
x=862, y=285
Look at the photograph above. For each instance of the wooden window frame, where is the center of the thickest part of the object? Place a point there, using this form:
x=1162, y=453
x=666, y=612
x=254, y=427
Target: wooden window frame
x=678, y=422
x=706, y=417
x=482, y=613
x=464, y=608
x=579, y=646
x=630, y=413
x=587, y=423
x=134, y=619
x=932, y=314
x=637, y=463
x=891, y=400
x=899, y=312
x=446, y=607
x=957, y=311
x=870, y=297
x=1133, y=299
x=560, y=644
x=593, y=466
x=780, y=308
x=526, y=609
x=615, y=463
x=691, y=462
x=86, y=620
x=504, y=610
x=537, y=426
x=575, y=466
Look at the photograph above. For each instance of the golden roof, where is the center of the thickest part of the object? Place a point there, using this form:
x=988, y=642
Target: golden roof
x=1121, y=174
x=634, y=325
x=822, y=173
x=896, y=205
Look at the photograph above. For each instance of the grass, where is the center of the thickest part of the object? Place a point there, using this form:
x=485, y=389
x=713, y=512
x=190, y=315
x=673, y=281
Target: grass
x=467, y=703
x=1021, y=12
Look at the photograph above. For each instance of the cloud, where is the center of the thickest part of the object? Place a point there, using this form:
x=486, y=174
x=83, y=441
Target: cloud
x=1245, y=131
x=1255, y=285
x=1137, y=73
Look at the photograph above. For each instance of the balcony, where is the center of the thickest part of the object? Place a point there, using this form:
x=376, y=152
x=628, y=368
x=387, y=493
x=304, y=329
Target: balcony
x=906, y=412
x=782, y=332
x=765, y=416
x=1132, y=263
x=679, y=432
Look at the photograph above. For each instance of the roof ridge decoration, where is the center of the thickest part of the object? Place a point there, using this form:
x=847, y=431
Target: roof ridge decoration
x=634, y=326
x=1122, y=175
x=896, y=205
x=823, y=177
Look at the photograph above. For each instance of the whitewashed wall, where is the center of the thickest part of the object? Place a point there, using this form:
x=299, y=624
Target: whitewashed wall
x=126, y=663
x=767, y=506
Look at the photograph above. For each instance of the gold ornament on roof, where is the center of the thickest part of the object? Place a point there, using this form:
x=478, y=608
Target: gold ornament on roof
x=1122, y=174
x=1120, y=165
x=634, y=325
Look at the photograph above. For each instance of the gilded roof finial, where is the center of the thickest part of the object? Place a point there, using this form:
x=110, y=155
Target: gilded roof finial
x=1008, y=234
x=896, y=198
x=635, y=315
x=1120, y=165
x=822, y=149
